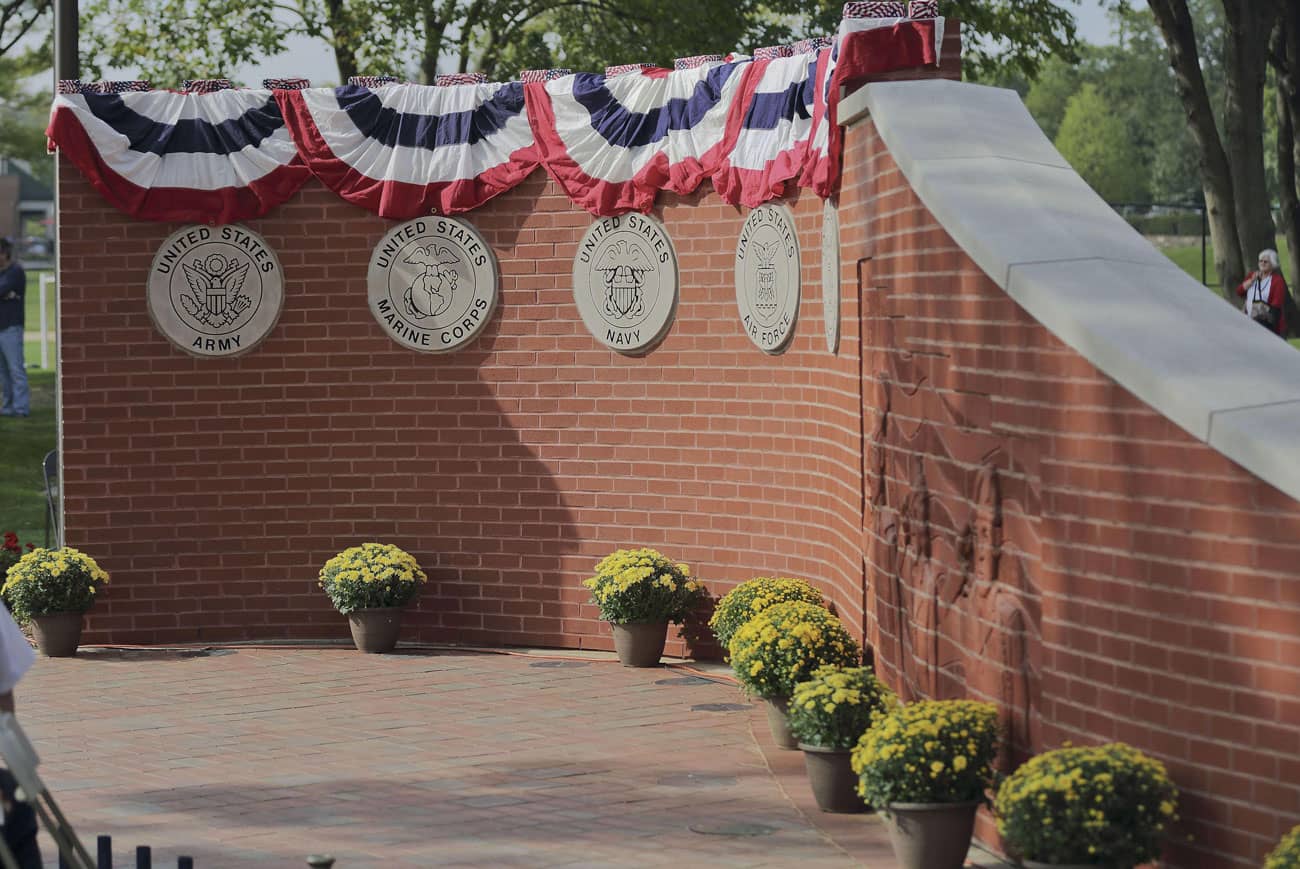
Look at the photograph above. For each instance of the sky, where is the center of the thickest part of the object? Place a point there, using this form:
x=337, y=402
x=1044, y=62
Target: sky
x=312, y=58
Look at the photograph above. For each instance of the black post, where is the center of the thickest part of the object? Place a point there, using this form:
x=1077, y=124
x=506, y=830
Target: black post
x=1205, y=219
x=105, y=858
x=63, y=861
x=184, y=863
x=66, y=39
x=143, y=857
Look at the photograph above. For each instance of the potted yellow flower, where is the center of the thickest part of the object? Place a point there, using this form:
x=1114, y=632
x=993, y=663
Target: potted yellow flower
x=1108, y=805
x=51, y=589
x=783, y=645
x=828, y=715
x=370, y=584
x=925, y=766
x=1287, y=853
x=639, y=591
x=749, y=598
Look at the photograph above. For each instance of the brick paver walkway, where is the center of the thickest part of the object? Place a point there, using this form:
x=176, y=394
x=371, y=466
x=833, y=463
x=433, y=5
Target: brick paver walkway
x=257, y=757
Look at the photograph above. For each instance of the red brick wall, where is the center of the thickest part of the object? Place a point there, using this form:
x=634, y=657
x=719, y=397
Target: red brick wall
x=214, y=489
x=1146, y=588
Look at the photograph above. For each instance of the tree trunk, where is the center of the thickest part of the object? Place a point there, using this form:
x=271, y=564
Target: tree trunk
x=1175, y=23
x=340, y=39
x=1249, y=24
x=434, y=26
x=1285, y=55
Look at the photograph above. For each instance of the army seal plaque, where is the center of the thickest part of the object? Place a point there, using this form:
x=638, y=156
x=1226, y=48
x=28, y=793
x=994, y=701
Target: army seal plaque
x=625, y=282
x=215, y=290
x=831, y=273
x=432, y=284
x=767, y=277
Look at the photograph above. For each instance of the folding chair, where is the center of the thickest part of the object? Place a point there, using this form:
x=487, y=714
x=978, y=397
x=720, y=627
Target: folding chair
x=51, y=469
x=21, y=759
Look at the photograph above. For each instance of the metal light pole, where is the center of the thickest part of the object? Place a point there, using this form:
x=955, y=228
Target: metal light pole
x=66, y=64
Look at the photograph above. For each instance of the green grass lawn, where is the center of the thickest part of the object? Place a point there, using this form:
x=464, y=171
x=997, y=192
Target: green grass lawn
x=23, y=445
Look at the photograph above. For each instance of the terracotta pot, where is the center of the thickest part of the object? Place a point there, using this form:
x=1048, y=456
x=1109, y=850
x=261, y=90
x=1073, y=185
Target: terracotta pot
x=833, y=781
x=931, y=835
x=778, y=719
x=375, y=630
x=640, y=644
x=57, y=634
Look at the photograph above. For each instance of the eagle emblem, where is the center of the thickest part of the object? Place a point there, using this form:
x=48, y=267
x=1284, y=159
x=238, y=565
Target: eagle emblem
x=624, y=265
x=217, y=285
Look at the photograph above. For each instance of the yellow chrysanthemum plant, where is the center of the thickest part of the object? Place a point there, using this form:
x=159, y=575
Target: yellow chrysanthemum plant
x=47, y=581
x=1287, y=853
x=371, y=576
x=836, y=706
x=749, y=598
x=642, y=586
x=931, y=751
x=1108, y=805
x=785, y=644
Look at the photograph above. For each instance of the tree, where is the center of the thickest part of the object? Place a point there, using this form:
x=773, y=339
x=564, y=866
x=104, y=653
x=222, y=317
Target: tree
x=17, y=19
x=1097, y=143
x=1285, y=57
x=1236, y=192
x=173, y=39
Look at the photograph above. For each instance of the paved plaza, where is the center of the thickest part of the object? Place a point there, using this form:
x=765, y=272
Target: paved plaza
x=256, y=757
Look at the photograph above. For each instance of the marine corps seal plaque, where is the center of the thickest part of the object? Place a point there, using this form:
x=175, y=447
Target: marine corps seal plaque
x=433, y=284
x=767, y=277
x=831, y=274
x=215, y=290
x=625, y=281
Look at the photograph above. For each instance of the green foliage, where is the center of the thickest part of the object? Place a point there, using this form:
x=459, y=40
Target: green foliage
x=642, y=586
x=1108, y=806
x=371, y=576
x=23, y=446
x=836, y=706
x=26, y=109
x=933, y=751
x=1287, y=853
x=753, y=596
x=785, y=643
x=48, y=581
x=1099, y=147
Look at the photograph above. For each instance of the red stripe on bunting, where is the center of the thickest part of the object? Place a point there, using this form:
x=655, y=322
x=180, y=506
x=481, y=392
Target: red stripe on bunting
x=607, y=198
x=397, y=200
x=224, y=205
x=864, y=53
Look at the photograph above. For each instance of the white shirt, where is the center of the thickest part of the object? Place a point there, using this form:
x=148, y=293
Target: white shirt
x=16, y=654
x=1260, y=290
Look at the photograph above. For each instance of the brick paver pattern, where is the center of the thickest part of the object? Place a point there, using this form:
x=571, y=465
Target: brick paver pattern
x=259, y=757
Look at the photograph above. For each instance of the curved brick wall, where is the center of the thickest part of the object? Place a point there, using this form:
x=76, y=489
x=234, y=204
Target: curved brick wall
x=993, y=513
x=214, y=489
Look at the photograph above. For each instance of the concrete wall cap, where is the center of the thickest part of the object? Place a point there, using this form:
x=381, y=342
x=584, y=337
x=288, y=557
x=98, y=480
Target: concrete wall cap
x=1009, y=200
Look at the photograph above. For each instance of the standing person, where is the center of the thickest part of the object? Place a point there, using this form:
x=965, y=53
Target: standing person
x=13, y=374
x=1265, y=294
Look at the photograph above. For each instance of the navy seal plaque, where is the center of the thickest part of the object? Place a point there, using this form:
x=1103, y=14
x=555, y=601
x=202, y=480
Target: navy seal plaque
x=625, y=282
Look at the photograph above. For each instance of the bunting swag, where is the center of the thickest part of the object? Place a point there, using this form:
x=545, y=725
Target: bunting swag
x=864, y=47
x=409, y=150
x=777, y=122
x=158, y=155
x=612, y=143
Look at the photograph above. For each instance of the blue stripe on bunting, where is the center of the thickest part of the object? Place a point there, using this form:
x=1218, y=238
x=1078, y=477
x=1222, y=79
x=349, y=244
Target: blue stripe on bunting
x=767, y=110
x=627, y=129
x=189, y=136
x=409, y=130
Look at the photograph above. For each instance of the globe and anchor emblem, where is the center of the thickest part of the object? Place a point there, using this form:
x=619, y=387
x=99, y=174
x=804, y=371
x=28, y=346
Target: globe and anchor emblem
x=432, y=290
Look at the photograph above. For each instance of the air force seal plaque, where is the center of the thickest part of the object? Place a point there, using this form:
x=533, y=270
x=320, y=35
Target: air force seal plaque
x=433, y=284
x=215, y=290
x=625, y=281
x=767, y=277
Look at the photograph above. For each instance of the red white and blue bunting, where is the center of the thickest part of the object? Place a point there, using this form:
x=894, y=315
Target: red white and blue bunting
x=611, y=142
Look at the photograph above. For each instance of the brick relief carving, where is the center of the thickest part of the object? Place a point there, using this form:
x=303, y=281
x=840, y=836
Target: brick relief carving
x=950, y=585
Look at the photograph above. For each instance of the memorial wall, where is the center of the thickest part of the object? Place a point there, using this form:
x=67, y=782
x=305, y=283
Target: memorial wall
x=821, y=379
